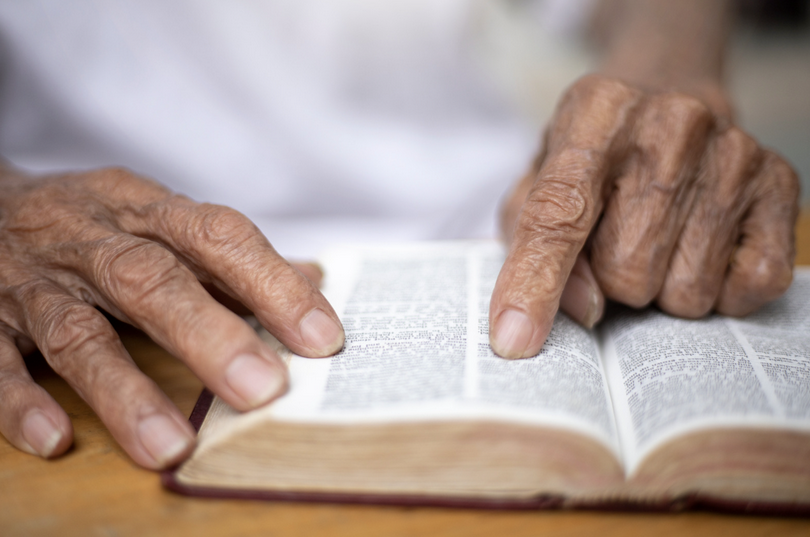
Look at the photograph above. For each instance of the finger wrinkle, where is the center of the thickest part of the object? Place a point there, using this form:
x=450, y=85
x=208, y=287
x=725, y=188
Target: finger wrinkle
x=558, y=204
x=222, y=229
x=141, y=288
x=26, y=297
x=134, y=271
x=202, y=236
x=71, y=210
x=672, y=135
x=71, y=328
x=154, y=219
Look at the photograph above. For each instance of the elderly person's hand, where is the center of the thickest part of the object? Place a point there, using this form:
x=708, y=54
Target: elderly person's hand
x=644, y=191
x=123, y=243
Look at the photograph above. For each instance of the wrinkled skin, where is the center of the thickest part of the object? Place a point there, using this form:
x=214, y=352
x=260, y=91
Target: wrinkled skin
x=640, y=197
x=644, y=191
x=129, y=246
x=637, y=196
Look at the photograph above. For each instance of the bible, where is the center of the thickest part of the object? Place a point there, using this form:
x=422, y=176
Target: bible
x=645, y=412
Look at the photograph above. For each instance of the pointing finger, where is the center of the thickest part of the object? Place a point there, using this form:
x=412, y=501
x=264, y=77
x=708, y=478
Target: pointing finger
x=560, y=210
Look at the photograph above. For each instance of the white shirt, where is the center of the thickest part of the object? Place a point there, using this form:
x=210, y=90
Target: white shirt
x=322, y=120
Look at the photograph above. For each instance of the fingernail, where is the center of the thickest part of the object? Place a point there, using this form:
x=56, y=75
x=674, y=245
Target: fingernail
x=163, y=438
x=253, y=379
x=41, y=433
x=321, y=333
x=581, y=301
x=513, y=332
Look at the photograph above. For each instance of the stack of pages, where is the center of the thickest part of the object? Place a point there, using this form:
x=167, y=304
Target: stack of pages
x=647, y=411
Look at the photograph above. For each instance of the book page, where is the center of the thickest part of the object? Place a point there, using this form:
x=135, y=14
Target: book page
x=779, y=337
x=566, y=375
x=670, y=376
x=417, y=348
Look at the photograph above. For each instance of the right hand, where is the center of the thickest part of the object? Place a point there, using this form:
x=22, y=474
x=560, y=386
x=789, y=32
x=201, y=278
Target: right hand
x=641, y=194
x=111, y=239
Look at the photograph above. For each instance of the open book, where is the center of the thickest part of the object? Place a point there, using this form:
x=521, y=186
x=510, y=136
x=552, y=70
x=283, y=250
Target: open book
x=647, y=411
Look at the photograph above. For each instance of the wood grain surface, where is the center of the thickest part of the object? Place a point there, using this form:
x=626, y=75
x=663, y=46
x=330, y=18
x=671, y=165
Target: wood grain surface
x=95, y=489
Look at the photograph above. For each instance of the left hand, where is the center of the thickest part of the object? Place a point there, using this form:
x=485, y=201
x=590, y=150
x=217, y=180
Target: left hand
x=71, y=243
x=642, y=196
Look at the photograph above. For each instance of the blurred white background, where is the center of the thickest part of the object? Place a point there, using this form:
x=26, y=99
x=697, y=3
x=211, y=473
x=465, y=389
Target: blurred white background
x=769, y=74
x=768, y=69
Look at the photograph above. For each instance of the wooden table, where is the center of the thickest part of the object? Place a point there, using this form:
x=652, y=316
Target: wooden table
x=96, y=490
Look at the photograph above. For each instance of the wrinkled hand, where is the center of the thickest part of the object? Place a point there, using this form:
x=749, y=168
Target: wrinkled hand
x=642, y=196
x=127, y=245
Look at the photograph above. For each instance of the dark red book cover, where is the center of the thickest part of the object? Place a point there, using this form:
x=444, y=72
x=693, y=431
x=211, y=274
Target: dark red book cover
x=692, y=502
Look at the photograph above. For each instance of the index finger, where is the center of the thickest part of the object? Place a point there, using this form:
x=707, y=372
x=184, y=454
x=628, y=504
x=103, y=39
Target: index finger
x=222, y=245
x=560, y=210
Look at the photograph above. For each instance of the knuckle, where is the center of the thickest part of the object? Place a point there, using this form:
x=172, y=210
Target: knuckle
x=222, y=227
x=739, y=142
x=685, y=106
x=593, y=112
x=675, y=116
x=20, y=294
x=122, y=184
x=72, y=329
x=113, y=177
x=769, y=278
x=563, y=204
x=20, y=289
x=774, y=194
x=597, y=87
x=780, y=175
x=625, y=273
x=738, y=158
x=133, y=271
x=73, y=338
x=557, y=210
